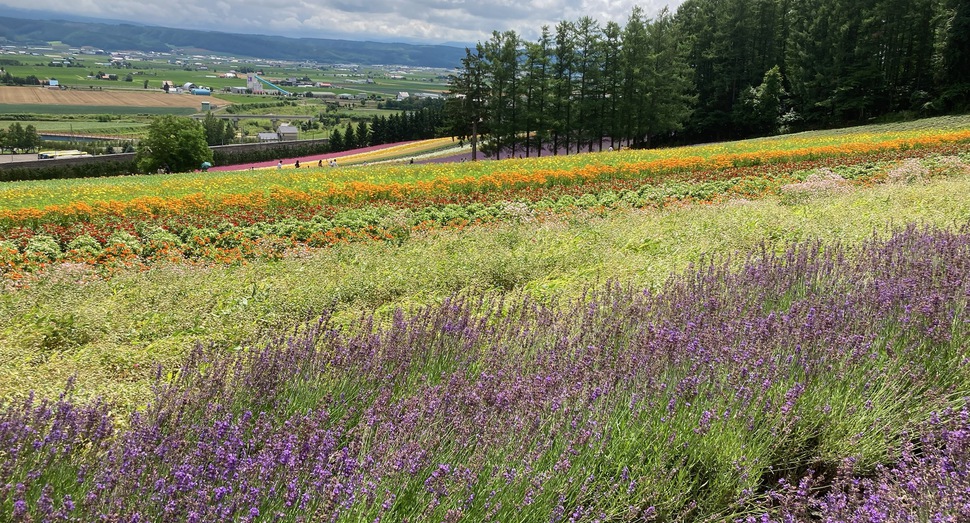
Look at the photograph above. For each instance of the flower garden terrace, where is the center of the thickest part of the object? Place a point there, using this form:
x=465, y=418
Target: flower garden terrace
x=390, y=182
x=742, y=343
x=234, y=216
x=816, y=380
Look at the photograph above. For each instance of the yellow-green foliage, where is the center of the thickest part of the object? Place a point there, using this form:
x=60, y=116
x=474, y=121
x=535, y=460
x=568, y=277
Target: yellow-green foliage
x=112, y=333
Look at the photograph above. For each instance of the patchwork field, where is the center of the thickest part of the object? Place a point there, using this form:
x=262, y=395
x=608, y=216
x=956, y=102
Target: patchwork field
x=107, y=97
x=763, y=331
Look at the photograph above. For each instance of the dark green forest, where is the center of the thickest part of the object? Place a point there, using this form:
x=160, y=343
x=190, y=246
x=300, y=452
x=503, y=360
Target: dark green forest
x=713, y=70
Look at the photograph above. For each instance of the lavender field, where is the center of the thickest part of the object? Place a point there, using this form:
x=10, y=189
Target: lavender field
x=828, y=382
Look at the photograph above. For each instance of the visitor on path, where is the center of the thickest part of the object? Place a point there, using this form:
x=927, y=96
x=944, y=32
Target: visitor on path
x=297, y=164
x=279, y=165
x=320, y=163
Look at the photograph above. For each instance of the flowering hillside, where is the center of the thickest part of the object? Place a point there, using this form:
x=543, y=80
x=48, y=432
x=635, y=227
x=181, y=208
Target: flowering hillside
x=763, y=331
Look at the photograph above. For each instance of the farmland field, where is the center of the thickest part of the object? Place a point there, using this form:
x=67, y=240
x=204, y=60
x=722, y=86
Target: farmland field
x=108, y=97
x=747, y=331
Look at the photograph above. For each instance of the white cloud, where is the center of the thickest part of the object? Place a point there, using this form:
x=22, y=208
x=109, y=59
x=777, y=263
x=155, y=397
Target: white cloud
x=428, y=21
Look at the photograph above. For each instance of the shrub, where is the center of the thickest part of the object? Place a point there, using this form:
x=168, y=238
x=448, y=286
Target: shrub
x=84, y=244
x=125, y=239
x=42, y=247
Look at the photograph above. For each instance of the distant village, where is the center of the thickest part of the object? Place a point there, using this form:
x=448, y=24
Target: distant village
x=255, y=82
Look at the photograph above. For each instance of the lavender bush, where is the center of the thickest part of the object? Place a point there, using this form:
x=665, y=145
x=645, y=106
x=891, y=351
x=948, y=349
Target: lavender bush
x=702, y=401
x=929, y=482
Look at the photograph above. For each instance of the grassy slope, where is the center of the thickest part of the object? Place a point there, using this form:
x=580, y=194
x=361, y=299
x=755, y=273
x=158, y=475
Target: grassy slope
x=112, y=333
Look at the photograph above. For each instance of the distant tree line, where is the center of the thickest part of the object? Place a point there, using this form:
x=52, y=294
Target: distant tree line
x=716, y=69
x=426, y=122
x=419, y=124
x=8, y=79
x=19, y=138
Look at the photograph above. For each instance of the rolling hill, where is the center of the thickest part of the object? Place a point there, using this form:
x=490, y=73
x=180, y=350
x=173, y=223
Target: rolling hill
x=119, y=35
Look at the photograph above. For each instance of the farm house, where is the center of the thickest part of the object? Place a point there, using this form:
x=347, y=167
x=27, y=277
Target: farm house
x=287, y=132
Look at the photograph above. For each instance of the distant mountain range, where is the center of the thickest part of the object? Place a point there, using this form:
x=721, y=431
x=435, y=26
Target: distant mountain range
x=114, y=35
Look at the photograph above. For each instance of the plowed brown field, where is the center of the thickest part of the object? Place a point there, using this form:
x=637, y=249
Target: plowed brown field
x=43, y=96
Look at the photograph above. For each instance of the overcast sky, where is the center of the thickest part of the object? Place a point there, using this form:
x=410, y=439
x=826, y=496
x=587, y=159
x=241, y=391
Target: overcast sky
x=415, y=21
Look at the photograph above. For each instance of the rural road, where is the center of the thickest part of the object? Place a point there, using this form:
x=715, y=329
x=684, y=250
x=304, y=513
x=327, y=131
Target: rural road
x=10, y=158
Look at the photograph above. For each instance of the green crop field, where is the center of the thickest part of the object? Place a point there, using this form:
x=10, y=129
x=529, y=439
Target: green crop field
x=157, y=71
x=343, y=81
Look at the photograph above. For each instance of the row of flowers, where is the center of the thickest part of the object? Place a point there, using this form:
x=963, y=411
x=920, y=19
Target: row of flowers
x=283, y=197
x=243, y=231
x=31, y=201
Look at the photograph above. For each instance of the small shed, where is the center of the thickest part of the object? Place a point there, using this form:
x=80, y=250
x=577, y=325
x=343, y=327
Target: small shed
x=268, y=137
x=287, y=132
x=238, y=90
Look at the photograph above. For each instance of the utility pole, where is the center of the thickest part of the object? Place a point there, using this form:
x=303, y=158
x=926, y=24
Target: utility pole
x=474, y=139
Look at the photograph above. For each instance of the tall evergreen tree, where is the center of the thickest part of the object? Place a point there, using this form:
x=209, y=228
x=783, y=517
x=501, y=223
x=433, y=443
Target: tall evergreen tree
x=228, y=132
x=612, y=82
x=563, y=78
x=467, y=106
x=336, y=141
x=637, y=79
x=589, y=91
x=955, y=56
x=536, y=91
x=214, y=130
x=378, y=131
x=350, y=137
x=670, y=101
x=502, y=56
x=811, y=62
x=362, y=134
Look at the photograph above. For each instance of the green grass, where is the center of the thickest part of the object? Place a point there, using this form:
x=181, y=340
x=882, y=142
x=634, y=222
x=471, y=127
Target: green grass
x=82, y=127
x=111, y=333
